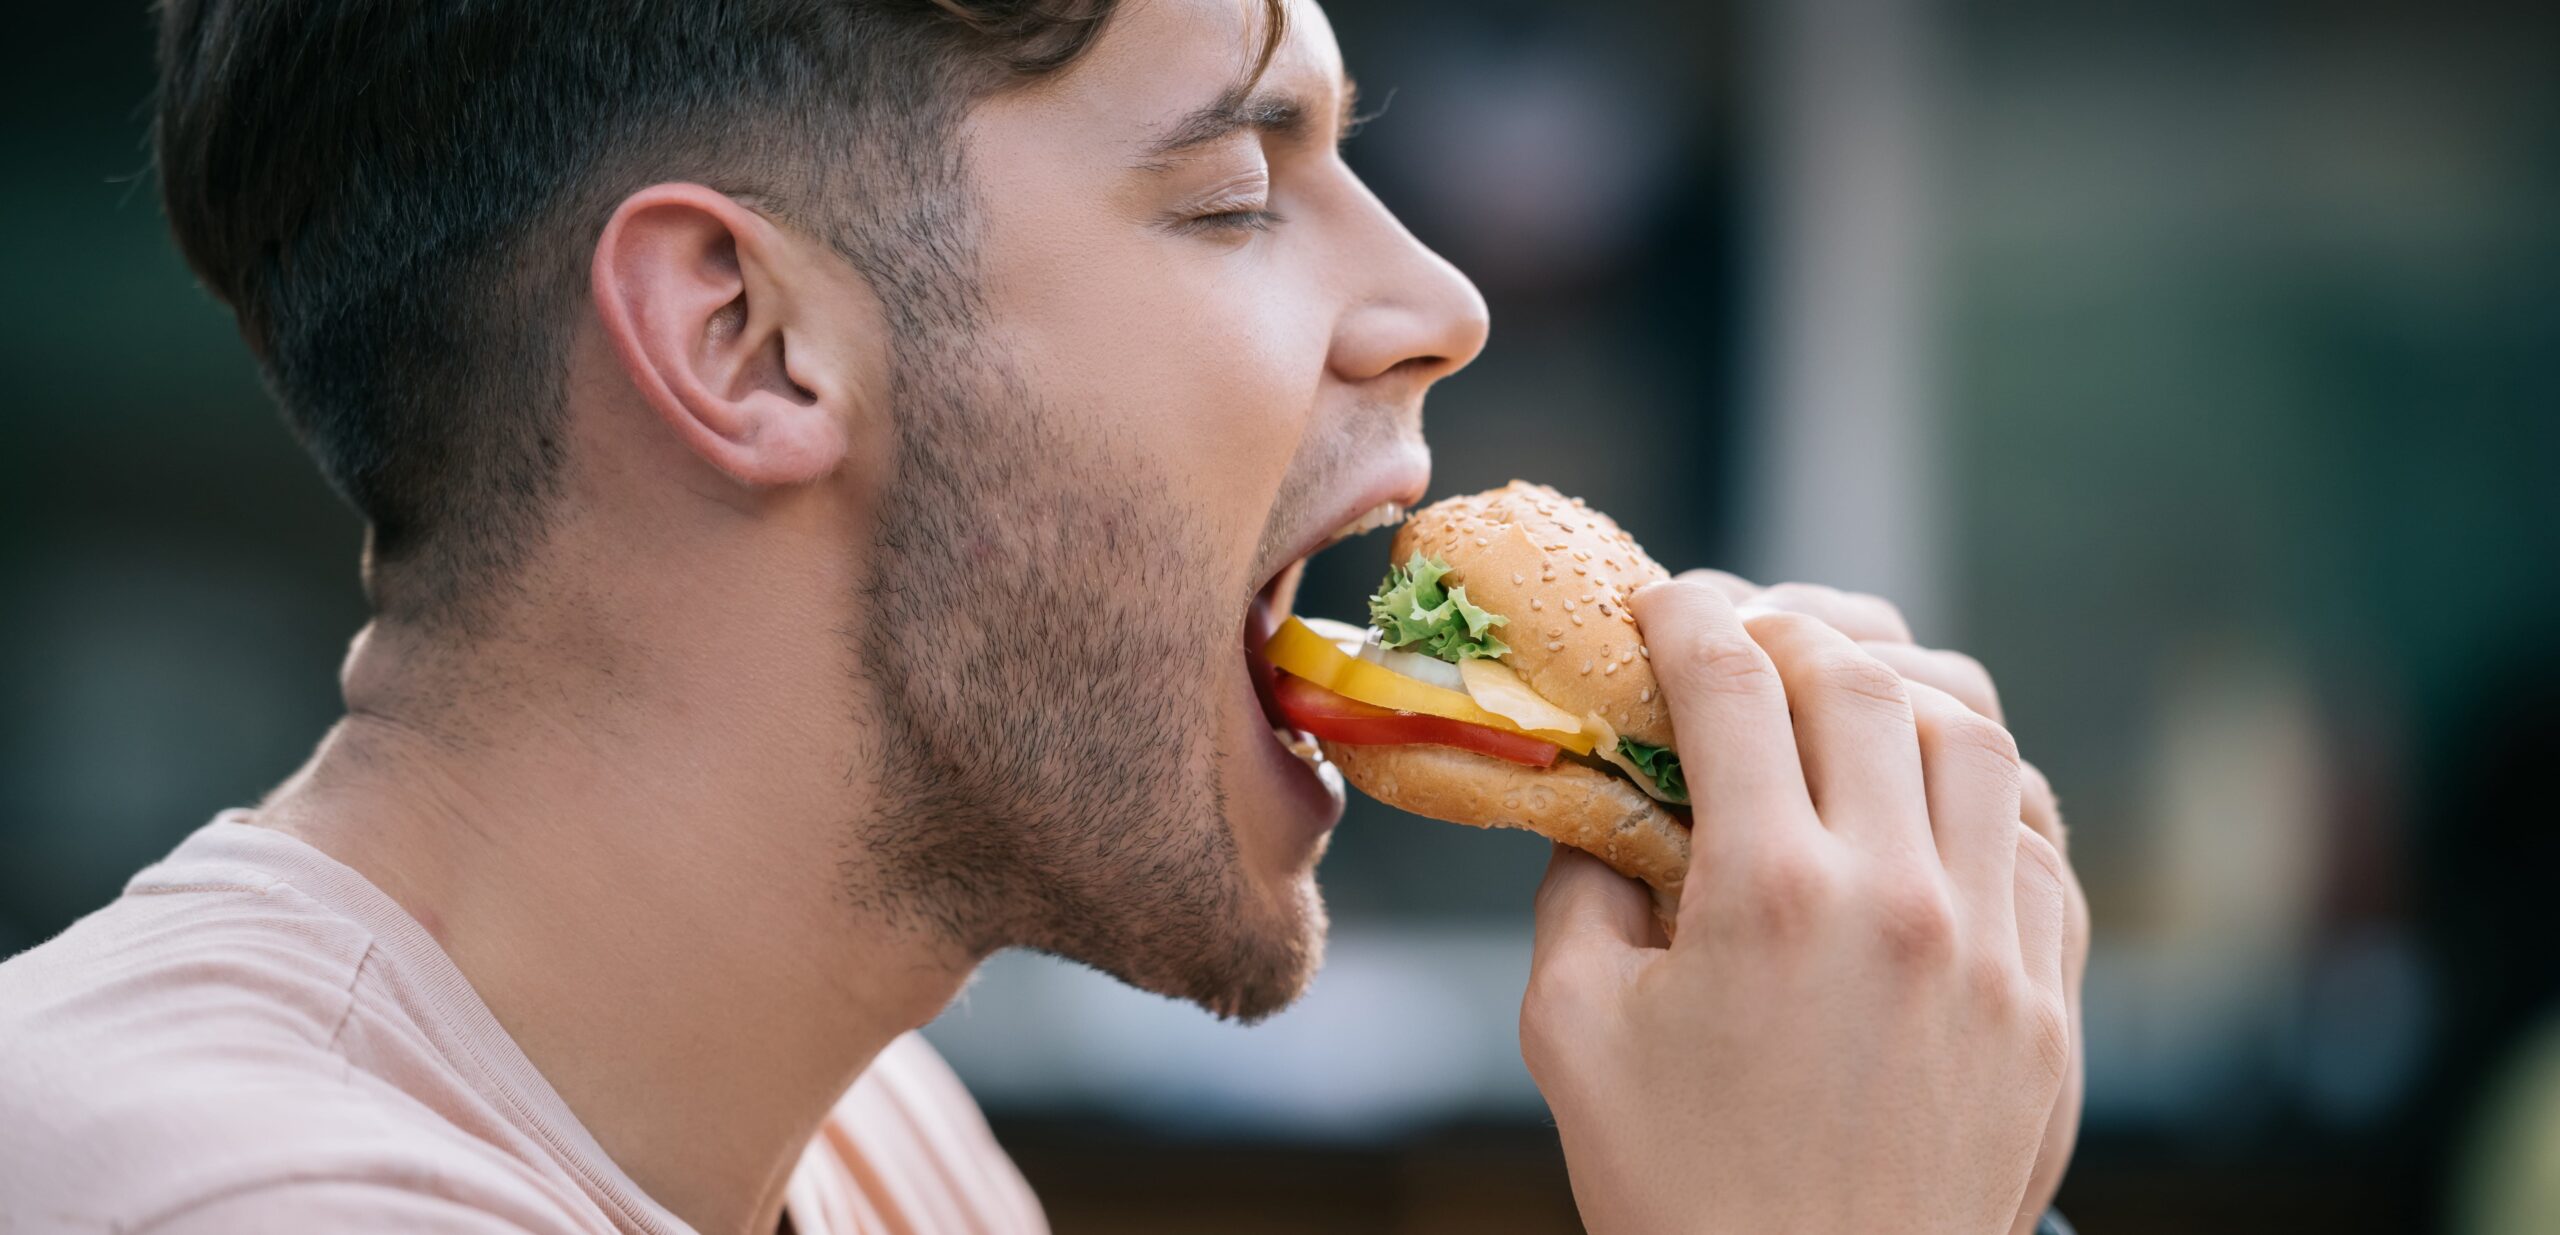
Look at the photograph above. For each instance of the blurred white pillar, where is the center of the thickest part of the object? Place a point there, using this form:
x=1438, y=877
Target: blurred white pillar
x=1842, y=464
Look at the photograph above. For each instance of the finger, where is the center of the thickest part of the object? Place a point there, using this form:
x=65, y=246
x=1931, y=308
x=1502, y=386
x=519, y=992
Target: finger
x=2038, y=890
x=1971, y=766
x=1953, y=672
x=1854, y=614
x=1735, y=588
x=1854, y=728
x=1729, y=709
x=1592, y=923
x=2039, y=809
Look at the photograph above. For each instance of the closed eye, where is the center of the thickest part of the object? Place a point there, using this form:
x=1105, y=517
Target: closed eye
x=1230, y=221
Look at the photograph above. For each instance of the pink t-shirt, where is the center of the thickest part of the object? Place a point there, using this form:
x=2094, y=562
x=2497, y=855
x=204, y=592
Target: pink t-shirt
x=254, y=1038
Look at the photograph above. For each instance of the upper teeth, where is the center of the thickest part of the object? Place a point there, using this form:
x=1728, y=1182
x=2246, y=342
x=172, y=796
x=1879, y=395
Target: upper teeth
x=1384, y=514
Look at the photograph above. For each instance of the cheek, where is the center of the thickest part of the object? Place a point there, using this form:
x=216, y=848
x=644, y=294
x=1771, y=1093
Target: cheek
x=1202, y=358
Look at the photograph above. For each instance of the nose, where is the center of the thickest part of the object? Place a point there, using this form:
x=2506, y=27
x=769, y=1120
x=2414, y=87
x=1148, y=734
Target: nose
x=1412, y=314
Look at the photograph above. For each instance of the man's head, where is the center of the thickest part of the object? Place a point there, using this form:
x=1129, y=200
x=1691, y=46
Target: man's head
x=1059, y=337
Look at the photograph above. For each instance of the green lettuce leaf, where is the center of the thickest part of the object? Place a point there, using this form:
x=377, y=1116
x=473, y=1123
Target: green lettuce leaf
x=1411, y=609
x=1659, y=763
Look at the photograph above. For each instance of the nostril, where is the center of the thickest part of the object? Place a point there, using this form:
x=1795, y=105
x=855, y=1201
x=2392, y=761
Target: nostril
x=1420, y=366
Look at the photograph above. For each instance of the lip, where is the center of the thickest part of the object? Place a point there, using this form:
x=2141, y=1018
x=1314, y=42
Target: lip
x=1400, y=475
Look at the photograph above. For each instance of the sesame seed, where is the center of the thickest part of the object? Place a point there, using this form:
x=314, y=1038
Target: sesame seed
x=1481, y=542
x=1555, y=632
x=1554, y=646
x=1586, y=598
x=1568, y=604
x=1536, y=603
x=1586, y=666
x=1644, y=651
x=1581, y=555
x=1613, y=668
x=1515, y=577
x=1580, y=570
x=1577, y=619
x=1604, y=608
x=1645, y=695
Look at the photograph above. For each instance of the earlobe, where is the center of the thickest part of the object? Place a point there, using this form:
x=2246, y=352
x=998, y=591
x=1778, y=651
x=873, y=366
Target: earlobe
x=691, y=288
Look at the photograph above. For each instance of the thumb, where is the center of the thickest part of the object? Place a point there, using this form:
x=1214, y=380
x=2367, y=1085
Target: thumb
x=1587, y=913
x=1591, y=931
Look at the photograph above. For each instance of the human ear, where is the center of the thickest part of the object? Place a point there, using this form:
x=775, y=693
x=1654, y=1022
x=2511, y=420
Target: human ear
x=701, y=299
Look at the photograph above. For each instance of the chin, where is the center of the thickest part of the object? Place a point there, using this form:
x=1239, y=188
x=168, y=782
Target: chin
x=1281, y=953
x=1258, y=959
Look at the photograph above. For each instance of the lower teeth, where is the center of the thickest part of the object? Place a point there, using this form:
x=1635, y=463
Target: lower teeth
x=1299, y=744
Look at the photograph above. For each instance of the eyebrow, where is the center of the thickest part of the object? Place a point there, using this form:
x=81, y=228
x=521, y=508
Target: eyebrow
x=1269, y=112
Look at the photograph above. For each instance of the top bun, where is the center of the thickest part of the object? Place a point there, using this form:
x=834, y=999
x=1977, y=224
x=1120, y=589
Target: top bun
x=1561, y=572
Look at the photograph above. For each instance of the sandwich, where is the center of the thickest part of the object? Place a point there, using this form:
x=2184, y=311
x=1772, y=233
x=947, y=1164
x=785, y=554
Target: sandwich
x=1502, y=682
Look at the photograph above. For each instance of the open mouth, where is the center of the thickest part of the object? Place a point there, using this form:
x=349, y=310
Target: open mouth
x=1273, y=603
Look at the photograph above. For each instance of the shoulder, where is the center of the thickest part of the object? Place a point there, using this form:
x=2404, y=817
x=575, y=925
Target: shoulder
x=283, y=1144
x=172, y=1059
x=159, y=996
x=908, y=1140
x=236, y=951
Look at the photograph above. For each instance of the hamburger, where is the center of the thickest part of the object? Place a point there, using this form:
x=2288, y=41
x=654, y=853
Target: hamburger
x=1502, y=682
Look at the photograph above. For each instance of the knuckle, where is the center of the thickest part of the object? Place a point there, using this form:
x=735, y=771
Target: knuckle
x=2039, y=856
x=1975, y=736
x=1784, y=892
x=1997, y=986
x=2042, y=808
x=1854, y=674
x=1541, y=1038
x=1917, y=925
x=2048, y=1018
x=1703, y=660
x=1545, y=1011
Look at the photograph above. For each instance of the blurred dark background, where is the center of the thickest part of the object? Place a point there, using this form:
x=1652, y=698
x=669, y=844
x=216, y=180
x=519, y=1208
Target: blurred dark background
x=2197, y=365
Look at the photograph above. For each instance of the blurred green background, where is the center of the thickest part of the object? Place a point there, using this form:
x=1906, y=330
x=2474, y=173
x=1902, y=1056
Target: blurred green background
x=2196, y=365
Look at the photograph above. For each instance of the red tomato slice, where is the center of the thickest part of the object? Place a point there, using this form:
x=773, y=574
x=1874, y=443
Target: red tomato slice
x=1340, y=718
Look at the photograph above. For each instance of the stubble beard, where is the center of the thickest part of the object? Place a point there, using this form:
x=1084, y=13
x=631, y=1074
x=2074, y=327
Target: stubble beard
x=1041, y=646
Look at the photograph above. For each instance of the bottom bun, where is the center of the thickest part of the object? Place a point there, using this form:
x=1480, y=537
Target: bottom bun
x=1597, y=812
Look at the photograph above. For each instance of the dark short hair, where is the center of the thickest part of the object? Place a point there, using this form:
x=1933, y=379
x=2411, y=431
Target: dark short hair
x=397, y=198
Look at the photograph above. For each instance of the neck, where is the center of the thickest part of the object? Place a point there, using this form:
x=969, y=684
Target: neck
x=642, y=875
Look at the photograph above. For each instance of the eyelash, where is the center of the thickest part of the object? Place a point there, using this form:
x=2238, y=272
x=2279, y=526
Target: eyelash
x=1232, y=221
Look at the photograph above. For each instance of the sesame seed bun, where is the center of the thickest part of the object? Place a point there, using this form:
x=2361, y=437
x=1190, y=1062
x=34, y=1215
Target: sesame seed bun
x=1561, y=572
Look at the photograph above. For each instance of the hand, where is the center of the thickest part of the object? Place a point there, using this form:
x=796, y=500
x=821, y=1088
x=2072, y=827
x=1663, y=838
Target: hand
x=1880, y=629
x=1862, y=1025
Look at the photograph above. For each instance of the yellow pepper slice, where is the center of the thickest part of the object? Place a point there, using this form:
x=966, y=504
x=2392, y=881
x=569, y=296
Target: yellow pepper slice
x=1295, y=648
